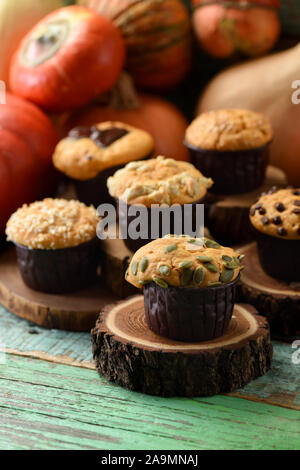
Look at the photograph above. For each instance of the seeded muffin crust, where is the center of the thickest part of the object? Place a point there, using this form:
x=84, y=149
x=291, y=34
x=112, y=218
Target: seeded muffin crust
x=82, y=158
x=278, y=213
x=52, y=224
x=229, y=129
x=185, y=262
x=158, y=181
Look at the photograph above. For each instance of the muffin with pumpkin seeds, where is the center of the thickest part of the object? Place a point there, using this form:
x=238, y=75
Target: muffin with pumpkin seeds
x=158, y=184
x=189, y=286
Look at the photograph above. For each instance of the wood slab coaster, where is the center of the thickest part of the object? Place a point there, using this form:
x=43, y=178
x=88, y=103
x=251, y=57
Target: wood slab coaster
x=228, y=216
x=128, y=353
x=278, y=301
x=74, y=312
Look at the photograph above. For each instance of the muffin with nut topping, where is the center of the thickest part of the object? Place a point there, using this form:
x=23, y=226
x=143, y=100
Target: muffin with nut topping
x=56, y=244
x=189, y=286
x=232, y=146
x=275, y=218
x=161, y=182
x=89, y=155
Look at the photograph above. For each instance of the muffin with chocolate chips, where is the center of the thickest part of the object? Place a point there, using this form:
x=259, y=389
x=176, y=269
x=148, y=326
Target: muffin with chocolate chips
x=89, y=155
x=189, y=286
x=56, y=243
x=159, y=181
x=275, y=218
x=232, y=146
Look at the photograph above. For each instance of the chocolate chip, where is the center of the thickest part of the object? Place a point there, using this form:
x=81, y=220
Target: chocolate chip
x=80, y=132
x=281, y=231
x=280, y=207
x=262, y=211
x=296, y=192
x=297, y=203
x=277, y=220
x=252, y=211
x=265, y=221
x=104, y=138
x=89, y=157
x=296, y=211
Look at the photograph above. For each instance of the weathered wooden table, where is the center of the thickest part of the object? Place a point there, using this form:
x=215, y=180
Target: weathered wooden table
x=52, y=398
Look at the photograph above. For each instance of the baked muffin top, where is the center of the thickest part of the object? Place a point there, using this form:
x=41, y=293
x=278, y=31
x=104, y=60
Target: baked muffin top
x=277, y=213
x=52, y=224
x=184, y=261
x=229, y=129
x=158, y=181
x=89, y=150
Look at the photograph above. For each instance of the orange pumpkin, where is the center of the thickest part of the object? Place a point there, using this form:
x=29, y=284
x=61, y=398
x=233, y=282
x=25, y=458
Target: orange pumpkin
x=27, y=141
x=160, y=118
x=157, y=34
x=70, y=57
x=224, y=28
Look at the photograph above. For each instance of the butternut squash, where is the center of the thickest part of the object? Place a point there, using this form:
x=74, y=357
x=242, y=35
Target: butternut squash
x=265, y=85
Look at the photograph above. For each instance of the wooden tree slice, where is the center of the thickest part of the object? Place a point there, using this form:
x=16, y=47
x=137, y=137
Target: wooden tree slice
x=276, y=300
x=228, y=218
x=128, y=353
x=74, y=312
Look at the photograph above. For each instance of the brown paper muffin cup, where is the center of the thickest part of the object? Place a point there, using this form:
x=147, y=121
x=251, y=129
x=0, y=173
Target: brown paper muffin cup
x=125, y=219
x=279, y=257
x=189, y=314
x=59, y=271
x=94, y=191
x=233, y=172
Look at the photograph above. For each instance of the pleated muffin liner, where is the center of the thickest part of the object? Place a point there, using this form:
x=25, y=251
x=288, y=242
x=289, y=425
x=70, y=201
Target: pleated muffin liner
x=94, y=191
x=233, y=172
x=189, y=314
x=125, y=220
x=59, y=271
x=279, y=257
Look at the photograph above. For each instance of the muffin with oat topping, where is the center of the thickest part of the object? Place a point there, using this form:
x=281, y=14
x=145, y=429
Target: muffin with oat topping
x=189, y=286
x=232, y=146
x=89, y=155
x=56, y=244
x=275, y=218
x=160, y=181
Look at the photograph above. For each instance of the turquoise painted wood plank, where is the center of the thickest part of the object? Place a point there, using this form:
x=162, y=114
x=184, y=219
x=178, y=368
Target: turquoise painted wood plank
x=281, y=386
x=53, y=406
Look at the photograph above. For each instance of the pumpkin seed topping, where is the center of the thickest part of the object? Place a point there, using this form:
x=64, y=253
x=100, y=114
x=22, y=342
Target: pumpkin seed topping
x=164, y=270
x=226, y=276
x=231, y=265
x=134, y=268
x=214, y=284
x=227, y=258
x=199, y=275
x=211, y=243
x=187, y=276
x=204, y=259
x=144, y=264
x=241, y=257
x=145, y=282
x=211, y=267
x=171, y=248
x=160, y=282
x=192, y=240
x=236, y=260
x=186, y=264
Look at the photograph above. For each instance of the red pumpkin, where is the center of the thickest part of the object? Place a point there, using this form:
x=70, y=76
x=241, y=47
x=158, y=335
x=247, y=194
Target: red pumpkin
x=27, y=141
x=157, y=35
x=224, y=28
x=155, y=115
x=67, y=59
